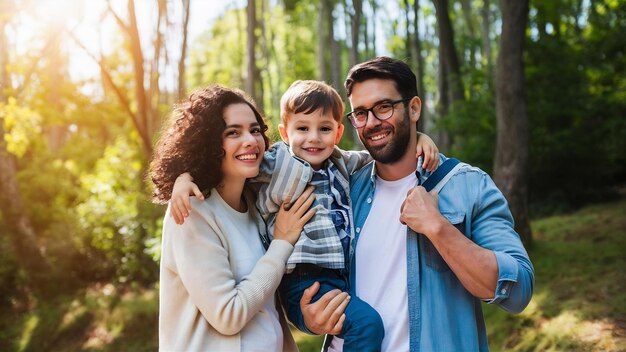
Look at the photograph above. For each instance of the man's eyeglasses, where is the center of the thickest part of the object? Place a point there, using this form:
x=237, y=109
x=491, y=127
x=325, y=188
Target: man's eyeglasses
x=382, y=111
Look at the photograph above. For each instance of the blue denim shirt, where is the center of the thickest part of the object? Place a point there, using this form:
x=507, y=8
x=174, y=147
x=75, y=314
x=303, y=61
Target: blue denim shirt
x=443, y=315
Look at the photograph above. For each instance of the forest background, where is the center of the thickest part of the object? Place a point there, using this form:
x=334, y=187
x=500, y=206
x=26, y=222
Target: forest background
x=533, y=92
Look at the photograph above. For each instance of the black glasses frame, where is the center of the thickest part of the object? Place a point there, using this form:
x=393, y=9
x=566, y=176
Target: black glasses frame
x=393, y=103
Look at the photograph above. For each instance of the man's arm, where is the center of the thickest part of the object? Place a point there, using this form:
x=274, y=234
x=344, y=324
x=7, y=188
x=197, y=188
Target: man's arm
x=476, y=267
x=493, y=265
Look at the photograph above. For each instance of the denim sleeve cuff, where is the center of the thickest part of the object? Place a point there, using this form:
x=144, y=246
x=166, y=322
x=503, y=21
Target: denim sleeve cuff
x=507, y=276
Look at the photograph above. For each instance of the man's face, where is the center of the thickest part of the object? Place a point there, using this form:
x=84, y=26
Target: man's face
x=387, y=140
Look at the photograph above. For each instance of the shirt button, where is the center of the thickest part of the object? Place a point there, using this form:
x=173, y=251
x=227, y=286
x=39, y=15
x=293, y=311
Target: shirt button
x=358, y=230
x=503, y=291
x=369, y=200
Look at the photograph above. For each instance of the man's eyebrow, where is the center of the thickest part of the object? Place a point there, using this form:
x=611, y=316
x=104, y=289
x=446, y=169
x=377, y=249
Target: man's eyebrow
x=384, y=100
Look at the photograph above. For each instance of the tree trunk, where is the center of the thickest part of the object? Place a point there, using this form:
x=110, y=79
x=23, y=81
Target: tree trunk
x=322, y=41
x=335, y=54
x=448, y=55
x=56, y=133
x=253, y=79
x=421, y=90
x=486, y=52
x=143, y=109
x=511, y=160
x=355, y=25
x=183, y=51
x=451, y=86
x=469, y=22
x=408, y=43
x=443, y=136
x=21, y=233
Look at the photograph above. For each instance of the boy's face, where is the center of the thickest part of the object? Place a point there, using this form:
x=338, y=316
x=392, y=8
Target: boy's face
x=312, y=137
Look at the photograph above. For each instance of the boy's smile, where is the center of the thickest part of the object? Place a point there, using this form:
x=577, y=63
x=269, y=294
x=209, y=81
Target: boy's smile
x=313, y=136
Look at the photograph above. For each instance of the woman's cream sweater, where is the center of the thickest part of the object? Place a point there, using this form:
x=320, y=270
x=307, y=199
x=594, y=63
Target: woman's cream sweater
x=216, y=283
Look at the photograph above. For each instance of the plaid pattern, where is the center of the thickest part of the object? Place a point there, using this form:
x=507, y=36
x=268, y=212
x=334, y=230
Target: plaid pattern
x=284, y=177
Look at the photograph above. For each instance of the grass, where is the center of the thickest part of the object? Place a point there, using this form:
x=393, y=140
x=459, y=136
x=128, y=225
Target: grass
x=100, y=318
x=579, y=302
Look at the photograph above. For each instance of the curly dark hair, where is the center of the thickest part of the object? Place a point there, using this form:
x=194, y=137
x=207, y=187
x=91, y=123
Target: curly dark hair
x=191, y=140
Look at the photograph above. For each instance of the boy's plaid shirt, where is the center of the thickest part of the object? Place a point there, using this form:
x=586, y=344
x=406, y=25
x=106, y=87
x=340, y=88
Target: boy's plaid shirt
x=284, y=177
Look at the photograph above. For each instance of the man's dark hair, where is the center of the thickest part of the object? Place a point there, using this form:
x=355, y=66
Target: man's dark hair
x=384, y=68
x=192, y=140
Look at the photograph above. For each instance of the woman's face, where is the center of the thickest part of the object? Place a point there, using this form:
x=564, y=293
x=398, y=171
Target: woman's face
x=242, y=142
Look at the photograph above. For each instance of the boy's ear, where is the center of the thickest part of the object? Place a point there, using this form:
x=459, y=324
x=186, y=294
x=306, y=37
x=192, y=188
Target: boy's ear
x=282, y=129
x=339, y=133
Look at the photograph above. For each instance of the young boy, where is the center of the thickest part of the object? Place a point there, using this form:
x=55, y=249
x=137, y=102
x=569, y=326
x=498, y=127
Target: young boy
x=311, y=127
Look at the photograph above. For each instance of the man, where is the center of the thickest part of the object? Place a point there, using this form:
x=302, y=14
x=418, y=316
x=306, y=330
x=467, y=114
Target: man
x=423, y=261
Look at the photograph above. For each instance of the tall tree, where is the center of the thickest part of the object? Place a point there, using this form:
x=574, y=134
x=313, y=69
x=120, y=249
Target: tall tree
x=145, y=116
x=419, y=56
x=486, y=50
x=409, y=45
x=183, y=50
x=335, y=52
x=469, y=24
x=355, y=30
x=323, y=38
x=449, y=57
x=449, y=67
x=511, y=160
x=253, y=79
x=21, y=234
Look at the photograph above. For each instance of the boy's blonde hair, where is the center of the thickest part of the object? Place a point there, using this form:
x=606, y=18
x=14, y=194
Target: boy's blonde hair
x=308, y=96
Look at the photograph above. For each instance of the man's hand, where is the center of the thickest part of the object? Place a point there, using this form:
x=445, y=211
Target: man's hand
x=420, y=211
x=325, y=316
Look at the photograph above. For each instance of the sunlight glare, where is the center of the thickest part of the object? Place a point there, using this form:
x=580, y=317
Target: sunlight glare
x=55, y=13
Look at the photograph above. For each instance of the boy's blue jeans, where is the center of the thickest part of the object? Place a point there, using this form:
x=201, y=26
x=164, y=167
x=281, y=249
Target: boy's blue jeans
x=363, y=327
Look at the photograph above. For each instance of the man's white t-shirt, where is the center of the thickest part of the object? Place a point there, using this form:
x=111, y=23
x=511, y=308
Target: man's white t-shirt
x=381, y=277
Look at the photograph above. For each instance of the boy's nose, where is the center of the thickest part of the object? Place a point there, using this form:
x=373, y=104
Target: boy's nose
x=314, y=136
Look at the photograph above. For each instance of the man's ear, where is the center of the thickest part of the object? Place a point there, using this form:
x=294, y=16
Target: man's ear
x=339, y=133
x=282, y=129
x=415, y=107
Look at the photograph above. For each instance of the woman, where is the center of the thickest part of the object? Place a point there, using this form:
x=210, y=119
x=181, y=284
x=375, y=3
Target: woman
x=217, y=284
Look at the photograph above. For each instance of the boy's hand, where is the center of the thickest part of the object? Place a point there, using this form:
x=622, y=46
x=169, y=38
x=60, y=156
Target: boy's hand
x=427, y=148
x=289, y=222
x=183, y=188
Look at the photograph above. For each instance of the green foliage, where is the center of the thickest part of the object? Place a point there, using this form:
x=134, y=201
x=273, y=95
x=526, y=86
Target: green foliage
x=473, y=125
x=116, y=213
x=22, y=125
x=575, y=105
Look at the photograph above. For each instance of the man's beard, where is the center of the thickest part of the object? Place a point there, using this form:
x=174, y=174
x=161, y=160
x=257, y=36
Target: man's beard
x=395, y=149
